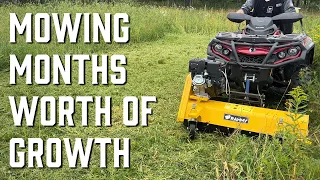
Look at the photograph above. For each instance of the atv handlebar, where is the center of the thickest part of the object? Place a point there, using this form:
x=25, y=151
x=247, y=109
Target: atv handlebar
x=284, y=17
x=238, y=17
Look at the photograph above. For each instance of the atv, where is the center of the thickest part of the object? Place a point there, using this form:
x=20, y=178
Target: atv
x=228, y=89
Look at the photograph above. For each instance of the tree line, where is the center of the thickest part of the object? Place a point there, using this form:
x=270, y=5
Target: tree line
x=186, y=3
x=297, y=3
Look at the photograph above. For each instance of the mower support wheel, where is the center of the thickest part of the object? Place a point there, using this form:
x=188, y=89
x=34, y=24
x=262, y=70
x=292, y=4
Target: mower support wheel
x=192, y=131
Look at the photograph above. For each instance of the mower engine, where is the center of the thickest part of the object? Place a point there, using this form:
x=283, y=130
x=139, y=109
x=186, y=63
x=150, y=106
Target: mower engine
x=208, y=77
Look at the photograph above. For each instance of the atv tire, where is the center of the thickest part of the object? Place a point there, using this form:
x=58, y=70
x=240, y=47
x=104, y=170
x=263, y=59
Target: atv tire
x=292, y=72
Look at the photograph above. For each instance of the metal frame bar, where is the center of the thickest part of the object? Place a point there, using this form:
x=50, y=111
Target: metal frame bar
x=273, y=46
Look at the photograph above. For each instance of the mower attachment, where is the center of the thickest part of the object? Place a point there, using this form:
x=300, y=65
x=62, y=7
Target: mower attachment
x=196, y=110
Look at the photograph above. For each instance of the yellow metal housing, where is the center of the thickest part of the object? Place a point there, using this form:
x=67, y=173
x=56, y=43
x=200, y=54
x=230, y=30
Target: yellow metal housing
x=260, y=120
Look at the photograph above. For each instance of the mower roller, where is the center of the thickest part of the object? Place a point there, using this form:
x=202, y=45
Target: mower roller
x=227, y=91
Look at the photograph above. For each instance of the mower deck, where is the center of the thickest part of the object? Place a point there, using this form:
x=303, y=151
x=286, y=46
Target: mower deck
x=196, y=109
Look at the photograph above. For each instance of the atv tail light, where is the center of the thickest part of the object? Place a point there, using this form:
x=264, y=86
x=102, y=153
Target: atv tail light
x=226, y=52
x=281, y=55
x=293, y=51
x=218, y=47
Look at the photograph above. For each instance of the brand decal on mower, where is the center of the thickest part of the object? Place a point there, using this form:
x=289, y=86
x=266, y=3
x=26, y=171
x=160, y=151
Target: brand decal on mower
x=234, y=118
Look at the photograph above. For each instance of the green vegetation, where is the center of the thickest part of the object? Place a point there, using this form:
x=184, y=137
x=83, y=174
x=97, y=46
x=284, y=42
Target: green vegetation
x=305, y=4
x=162, y=42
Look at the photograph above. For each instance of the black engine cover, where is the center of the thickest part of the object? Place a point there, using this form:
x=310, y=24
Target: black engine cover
x=213, y=68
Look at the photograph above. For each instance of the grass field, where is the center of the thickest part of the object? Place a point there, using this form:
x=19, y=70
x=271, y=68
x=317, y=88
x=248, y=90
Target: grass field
x=162, y=41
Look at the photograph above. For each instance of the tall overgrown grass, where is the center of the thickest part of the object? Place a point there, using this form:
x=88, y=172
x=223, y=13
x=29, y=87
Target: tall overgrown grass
x=162, y=41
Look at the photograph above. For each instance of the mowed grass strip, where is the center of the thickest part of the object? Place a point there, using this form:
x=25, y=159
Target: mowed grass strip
x=162, y=42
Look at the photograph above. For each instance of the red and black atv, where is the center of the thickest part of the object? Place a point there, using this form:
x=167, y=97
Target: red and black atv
x=258, y=59
x=227, y=90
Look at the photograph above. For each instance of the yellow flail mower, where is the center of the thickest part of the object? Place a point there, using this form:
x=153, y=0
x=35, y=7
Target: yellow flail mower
x=228, y=89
